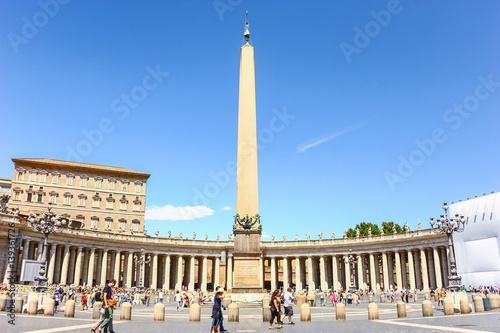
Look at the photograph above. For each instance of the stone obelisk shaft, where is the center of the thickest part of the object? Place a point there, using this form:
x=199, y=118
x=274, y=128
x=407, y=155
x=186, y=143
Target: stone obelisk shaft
x=247, y=196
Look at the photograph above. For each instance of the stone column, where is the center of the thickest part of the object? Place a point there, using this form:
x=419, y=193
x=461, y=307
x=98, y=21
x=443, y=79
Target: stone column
x=154, y=278
x=385, y=272
x=71, y=269
x=445, y=265
x=116, y=274
x=39, y=252
x=399, y=279
x=178, y=282
x=322, y=267
x=286, y=274
x=360, y=274
x=273, y=274
x=335, y=273
x=364, y=263
x=104, y=266
x=391, y=271
x=31, y=251
x=98, y=267
x=90, y=277
x=65, y=265
x=57, y=270
x=129, y=270
x=423, y=263
x=298, y=275
x=229, y=271
x=205, y=274
x=418, y=273
x=347, y=271
x=78, y=266
x=437, y=268
x=404, y=274
x=216, y=272
x=191, y=273
x=166, y=283
x=310, y=277
x=52, y=264
x=373, y=279
x=411, y=270
x=26, y=247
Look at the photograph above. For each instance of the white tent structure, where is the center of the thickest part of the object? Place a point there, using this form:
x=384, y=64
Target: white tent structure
x=477, y=249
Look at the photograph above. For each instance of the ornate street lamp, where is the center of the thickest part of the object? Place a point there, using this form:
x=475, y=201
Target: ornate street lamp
x=448, y=227
x=141, y=261
x=46, y=224
x=350, y=259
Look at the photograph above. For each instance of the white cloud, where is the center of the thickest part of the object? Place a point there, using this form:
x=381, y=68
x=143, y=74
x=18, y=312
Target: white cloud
x=313, y=143
x=178, y=213
x=226, y=208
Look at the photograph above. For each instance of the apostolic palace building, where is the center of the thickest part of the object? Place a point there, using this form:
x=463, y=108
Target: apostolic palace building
x=105, y=210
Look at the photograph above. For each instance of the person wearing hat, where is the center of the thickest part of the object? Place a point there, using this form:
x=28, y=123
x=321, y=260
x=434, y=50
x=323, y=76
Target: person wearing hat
x=217, y=311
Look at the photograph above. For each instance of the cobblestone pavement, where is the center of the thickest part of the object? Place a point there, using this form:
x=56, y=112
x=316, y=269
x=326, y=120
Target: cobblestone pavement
x=323, y=320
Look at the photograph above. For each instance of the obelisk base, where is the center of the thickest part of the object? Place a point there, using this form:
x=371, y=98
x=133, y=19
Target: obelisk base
x=246, y=262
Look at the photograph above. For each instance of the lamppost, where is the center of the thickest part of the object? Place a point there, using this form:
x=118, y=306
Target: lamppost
x=448, y=227
x=46, y=224
x=349, y=258
x=141, y=261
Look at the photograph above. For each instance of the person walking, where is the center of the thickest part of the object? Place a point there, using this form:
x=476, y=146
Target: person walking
x=109, y=304
x=217, y=310
x=275, y=310
x=288, y=305
x=160, y=296
x=178, y=299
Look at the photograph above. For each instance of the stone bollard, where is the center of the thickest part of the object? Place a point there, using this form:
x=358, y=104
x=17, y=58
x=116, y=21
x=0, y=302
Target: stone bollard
x=493, y=301
x=159, y=312
x=415, y=298
x=168, y=299
x=227, y=300
x=382, y=298
x=401, y=307
x=448, y=307
x=340, y=313
x=95, y=310
x=427, y=308
x=372, y=311
x=426, y=297
x=487, y=304
x=233, y=313
x=370, y=299
x=465, y=306
x=18, y=304
x=3, y=303
x=69, y=308
x=310, y=299
x=301, y=299
x=50, y=305
x=305, y=312
x=126, y=311
x=25, y=298
x=33, y=306
x=266, y=312
x=194, y=312
x=436, y=298
x=478, y=304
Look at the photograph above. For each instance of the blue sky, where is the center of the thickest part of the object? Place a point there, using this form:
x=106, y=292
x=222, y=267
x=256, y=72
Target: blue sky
x=367, y=110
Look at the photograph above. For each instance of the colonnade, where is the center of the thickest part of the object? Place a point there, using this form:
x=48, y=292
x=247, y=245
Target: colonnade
x=421, y=268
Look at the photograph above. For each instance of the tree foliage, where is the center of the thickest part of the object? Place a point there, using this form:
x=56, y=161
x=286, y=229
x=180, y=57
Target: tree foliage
x=363, y=229
x=387, y=226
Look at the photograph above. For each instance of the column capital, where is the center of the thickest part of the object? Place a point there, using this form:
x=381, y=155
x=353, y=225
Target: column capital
x=53, y=248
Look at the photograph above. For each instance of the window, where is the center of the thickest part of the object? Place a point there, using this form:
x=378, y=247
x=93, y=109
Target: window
x=81, y=219
x=20, y=175
x=52, y=197
x=110, y=202
x=43, y=178
x=83, y=182
x=484, y=215
x=108, y=221
x=96, y=201
x=82, y=200
x=39, y=197
x=32, y=176
x=123, y=203
x=475, y=218
x=67, y=198
x=94, y=221
x=69, y=179
x=98, y=183
x=111, y=184
x=137, y=204
x=17, y=195
x=123, y=224
x=29, y=196
x=135, y=225
x=138, y=187
x=55, y=178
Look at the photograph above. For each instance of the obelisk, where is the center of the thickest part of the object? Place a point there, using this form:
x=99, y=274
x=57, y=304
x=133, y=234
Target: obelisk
x=247, y=228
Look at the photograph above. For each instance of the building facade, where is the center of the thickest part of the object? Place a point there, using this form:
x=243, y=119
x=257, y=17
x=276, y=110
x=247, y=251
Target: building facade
x=92, y=196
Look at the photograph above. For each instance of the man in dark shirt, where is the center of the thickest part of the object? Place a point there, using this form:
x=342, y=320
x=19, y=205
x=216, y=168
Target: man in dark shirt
x=108, y=295
x=98, y=296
